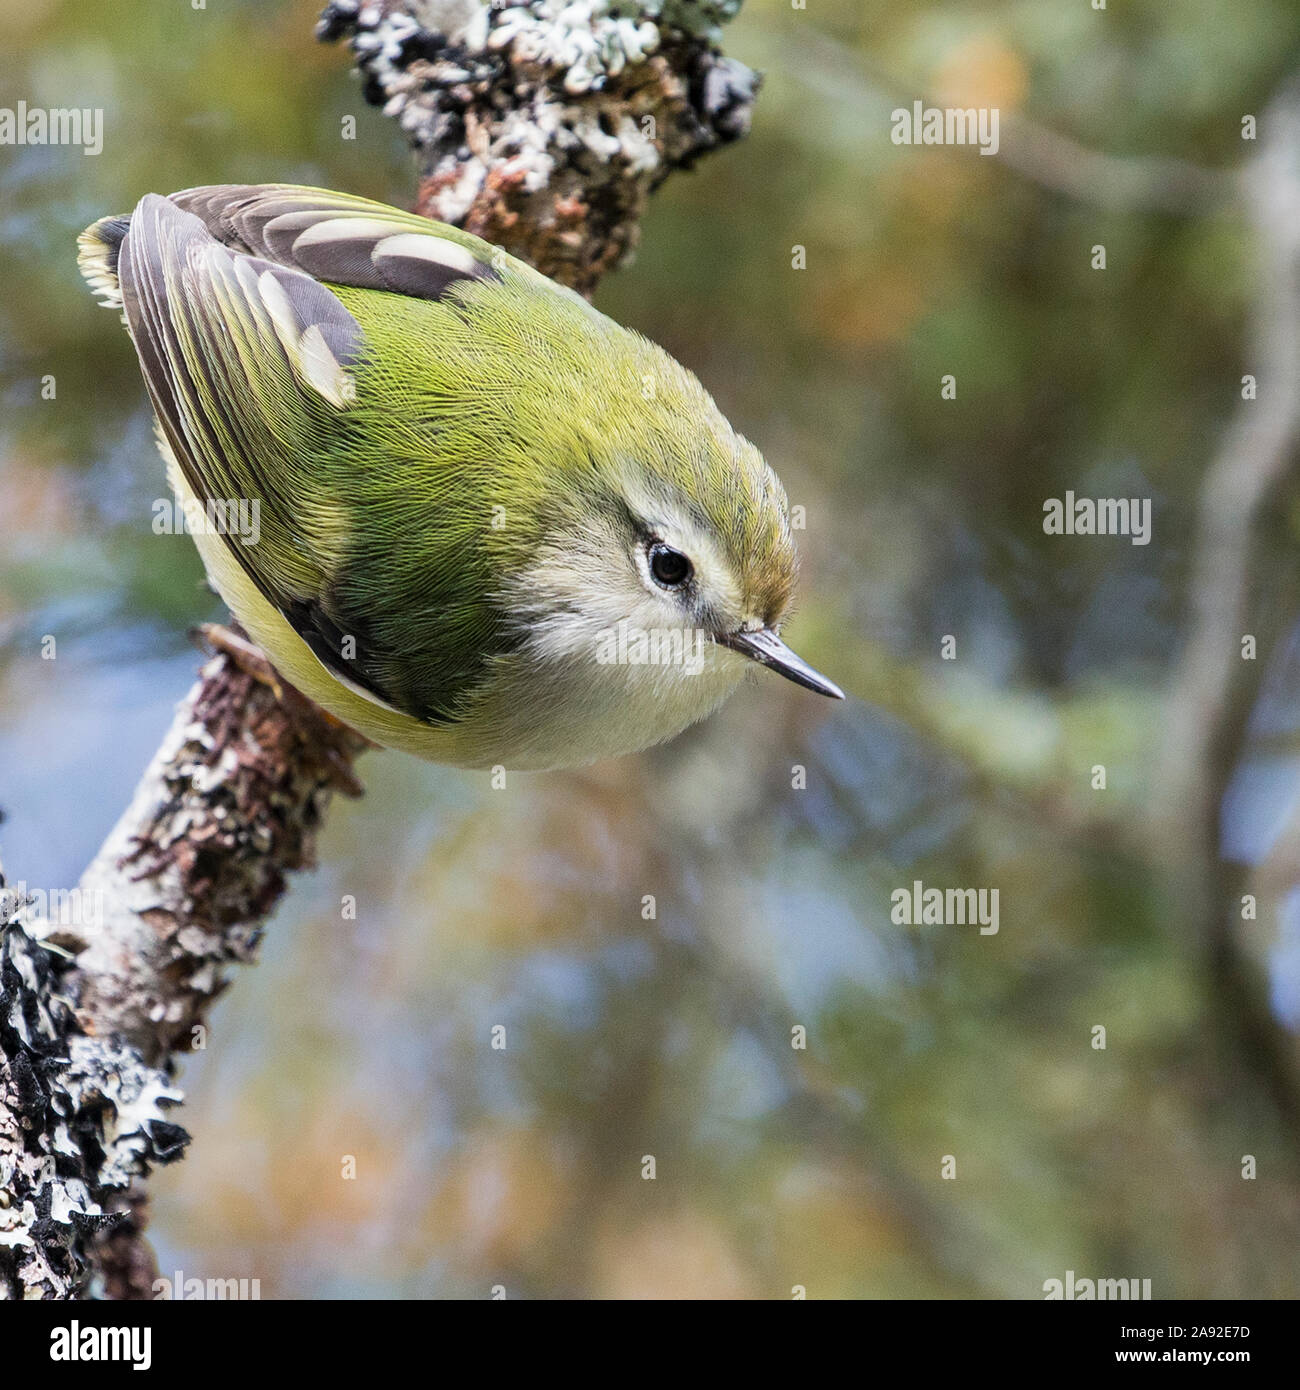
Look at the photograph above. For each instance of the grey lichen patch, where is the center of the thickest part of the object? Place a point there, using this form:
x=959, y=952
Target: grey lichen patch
x=544, y=126
x=81, y=1119
x=583, y=43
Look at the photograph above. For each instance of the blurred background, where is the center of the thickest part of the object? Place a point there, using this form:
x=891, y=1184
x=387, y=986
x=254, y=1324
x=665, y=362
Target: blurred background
x=775, y=1166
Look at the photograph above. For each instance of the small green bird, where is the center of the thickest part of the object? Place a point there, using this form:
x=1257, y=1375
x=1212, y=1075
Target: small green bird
x=494, y=527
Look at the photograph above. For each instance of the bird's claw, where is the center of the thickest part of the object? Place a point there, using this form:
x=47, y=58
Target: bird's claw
x=248, y=656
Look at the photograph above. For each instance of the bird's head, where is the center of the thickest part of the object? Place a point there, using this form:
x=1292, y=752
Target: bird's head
x=675, y=551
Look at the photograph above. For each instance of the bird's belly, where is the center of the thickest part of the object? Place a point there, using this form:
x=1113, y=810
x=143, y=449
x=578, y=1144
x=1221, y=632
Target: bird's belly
x=569, y=713
x=537, y=714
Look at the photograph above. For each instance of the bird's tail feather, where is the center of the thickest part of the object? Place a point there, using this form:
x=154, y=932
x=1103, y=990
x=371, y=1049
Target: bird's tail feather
x=97, y=252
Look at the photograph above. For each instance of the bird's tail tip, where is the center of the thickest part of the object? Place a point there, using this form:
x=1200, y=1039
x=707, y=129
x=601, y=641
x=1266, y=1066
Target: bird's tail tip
x=97, y=252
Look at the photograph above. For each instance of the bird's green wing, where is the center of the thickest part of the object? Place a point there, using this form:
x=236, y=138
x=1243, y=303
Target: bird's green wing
x=266, y=387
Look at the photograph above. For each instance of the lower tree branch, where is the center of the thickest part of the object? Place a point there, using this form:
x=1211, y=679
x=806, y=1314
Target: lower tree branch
x=229, y=806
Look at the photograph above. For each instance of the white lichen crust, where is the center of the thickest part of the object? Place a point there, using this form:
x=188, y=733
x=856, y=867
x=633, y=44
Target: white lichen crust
x=504, y=103
x=81, y=1119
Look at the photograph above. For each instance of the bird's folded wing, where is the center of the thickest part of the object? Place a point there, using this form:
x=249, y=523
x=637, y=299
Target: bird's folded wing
x=250, y=364
x=343, y=240
x=246, y=362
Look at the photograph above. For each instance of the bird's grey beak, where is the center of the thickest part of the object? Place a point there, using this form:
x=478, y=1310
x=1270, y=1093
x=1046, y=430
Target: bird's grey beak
x=765, y=647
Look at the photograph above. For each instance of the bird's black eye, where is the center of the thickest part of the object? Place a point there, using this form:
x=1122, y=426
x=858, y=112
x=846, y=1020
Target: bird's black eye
x=670, y=567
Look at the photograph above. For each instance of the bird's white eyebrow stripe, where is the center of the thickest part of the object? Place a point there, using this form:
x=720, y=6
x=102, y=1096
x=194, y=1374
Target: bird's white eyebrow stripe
x=679, y=528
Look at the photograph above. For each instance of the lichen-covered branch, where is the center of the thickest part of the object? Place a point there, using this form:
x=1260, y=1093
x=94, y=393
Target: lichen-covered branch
x=229, y=806
x=80, y=1118
x=94, y=1009
x=543, y=127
